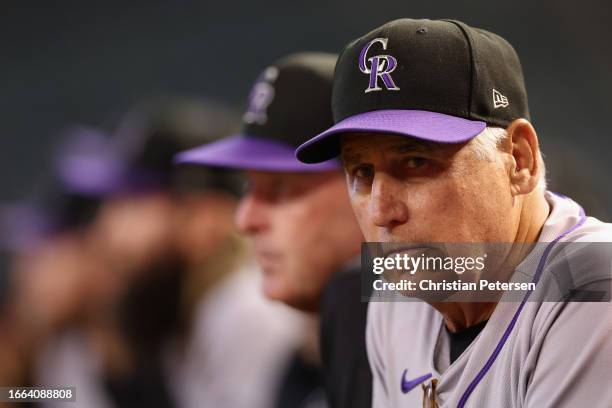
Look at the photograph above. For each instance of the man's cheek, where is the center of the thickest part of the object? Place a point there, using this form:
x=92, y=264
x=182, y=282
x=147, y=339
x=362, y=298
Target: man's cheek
x=360, y=212
x=368, y=229
x=297, y=271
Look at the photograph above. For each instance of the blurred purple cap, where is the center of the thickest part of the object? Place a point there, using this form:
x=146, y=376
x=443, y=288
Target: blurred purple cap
x=251, y=153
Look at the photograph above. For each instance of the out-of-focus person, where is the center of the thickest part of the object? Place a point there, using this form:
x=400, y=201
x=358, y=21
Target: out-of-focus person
x=43, y=239
x=298, y=217
x=178, y=290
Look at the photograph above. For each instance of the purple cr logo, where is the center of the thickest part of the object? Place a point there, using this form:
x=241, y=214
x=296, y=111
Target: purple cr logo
x=381, y=67
x=260, y=97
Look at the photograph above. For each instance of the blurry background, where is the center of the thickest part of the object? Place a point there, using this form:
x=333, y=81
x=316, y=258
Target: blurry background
x=84, y=62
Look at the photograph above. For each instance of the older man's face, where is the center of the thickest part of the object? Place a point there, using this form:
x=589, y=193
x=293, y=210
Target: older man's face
x=406, y=190
x=302, y=228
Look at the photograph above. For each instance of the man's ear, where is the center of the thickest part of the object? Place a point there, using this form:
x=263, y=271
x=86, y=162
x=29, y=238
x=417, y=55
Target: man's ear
x=525, y=168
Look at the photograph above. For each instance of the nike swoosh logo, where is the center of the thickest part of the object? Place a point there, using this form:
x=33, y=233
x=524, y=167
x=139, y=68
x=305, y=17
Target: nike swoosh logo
x=407, y=386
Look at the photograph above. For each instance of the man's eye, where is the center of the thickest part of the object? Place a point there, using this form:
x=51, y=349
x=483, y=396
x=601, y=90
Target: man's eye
x=246, y=187
x=415, y=162
x=363, y=172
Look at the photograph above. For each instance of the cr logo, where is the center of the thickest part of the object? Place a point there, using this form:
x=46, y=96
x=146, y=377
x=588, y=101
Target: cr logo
x=381, y=67
x=260, y=97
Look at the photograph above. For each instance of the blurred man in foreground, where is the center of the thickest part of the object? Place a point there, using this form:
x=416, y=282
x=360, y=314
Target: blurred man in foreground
x=298, y=217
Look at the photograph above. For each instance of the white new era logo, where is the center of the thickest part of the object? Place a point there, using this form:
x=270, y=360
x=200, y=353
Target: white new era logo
x=499, y=100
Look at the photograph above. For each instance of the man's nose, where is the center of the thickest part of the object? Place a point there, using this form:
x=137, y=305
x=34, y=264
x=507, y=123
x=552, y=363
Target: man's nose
x=250, y=215
x=387, y=209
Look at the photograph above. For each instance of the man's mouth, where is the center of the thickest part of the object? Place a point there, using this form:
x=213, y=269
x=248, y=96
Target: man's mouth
x=268, y=260
x=391, y=249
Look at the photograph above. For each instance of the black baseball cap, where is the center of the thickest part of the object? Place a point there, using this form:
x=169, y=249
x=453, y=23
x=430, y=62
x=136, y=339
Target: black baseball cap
x=436, y=80
x=150, y=134
x=288, y=104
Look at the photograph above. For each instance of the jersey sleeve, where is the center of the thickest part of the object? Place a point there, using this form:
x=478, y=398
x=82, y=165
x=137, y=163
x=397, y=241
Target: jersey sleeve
x=573, y=366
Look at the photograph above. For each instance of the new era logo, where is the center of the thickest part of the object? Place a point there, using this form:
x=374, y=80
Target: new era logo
x=499, y=100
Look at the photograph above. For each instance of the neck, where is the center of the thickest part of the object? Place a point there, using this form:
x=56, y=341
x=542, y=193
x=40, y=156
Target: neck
x=460, y=315
x=533, y=215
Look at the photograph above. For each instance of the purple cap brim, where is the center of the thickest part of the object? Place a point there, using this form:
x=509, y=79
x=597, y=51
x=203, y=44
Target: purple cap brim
x=425, y=125
x=251, y=153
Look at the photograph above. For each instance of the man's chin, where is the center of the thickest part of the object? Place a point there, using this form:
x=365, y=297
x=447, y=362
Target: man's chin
x=271, y=289
x=278, y=292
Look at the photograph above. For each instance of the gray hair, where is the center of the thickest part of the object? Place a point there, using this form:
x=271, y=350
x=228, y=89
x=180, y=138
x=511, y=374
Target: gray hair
x=486, y=146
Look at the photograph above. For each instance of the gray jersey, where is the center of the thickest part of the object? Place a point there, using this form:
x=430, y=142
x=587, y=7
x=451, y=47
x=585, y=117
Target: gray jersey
x=530, y=354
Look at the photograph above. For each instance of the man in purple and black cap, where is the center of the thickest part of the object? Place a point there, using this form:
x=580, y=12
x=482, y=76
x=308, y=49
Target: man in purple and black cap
x=432, y=126
x=298, y=216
